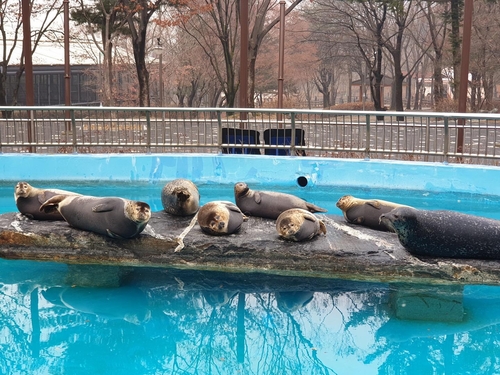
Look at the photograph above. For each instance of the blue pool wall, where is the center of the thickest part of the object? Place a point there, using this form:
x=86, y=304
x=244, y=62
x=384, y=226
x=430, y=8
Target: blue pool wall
x=274, y=170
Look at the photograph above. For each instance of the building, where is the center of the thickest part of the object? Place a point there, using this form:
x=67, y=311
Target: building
x=48, y=82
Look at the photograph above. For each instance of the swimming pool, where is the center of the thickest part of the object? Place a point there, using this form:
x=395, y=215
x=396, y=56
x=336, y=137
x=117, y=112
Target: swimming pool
x=61, y=318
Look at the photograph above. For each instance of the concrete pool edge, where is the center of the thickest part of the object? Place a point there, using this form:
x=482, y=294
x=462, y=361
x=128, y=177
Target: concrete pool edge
x=228, y=169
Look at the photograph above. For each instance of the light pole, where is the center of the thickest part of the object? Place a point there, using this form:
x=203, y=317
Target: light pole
x=281, y=61
x=158, y=52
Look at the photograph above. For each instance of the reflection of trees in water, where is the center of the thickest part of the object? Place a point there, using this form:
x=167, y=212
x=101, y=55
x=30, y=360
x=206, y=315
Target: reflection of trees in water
x=182, y=328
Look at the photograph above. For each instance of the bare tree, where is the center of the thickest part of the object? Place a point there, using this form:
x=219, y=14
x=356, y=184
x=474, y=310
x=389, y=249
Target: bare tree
x=260, y=11
x=485, y=54
x=214, y=26
x=102, y=17
x=437, y=26
x=10, y=29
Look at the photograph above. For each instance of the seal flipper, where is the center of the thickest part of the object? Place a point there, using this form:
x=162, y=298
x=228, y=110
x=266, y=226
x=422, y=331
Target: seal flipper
x=256, y=197
x=375, y=204
x=313, y=208
x=102, y=207
x=114, y=235
x=52, y=204
x=322, y=227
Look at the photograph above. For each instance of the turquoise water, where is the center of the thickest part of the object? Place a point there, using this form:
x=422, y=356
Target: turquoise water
x=475, y=204
x=60, y=319
x=69, y=319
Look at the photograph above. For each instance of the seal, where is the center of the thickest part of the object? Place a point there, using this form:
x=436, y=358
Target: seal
x=366, y=212
x=289, y=302
x=268, y=204
x=220, y=218
x=29, y=199
x=443, y=233
x=180, y=197
x=111, y=216
x=298, y=224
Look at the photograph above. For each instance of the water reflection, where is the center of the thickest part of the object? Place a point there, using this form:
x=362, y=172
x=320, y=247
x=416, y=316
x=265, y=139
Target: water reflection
x=110, y=320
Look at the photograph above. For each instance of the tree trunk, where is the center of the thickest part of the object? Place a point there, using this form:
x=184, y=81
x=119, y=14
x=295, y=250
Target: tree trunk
x=456, y=42
x=408, y=92
x=138, y=24
x=488, y=87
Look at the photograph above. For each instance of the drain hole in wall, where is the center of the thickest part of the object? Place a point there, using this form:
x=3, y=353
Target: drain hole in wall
x=302, y=181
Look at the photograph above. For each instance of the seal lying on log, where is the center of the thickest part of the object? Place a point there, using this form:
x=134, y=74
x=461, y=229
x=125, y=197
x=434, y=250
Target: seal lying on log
x=366, y=212
x=298, y=225
x=443, y=233
x=268, y=204
x=29, y=199
x=111, y=216
x=220, y=218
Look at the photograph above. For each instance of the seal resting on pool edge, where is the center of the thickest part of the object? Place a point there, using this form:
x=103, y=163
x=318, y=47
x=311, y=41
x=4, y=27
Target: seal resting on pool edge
x=443, y=233
x=268, y=204
x=29, y=199
x=180, y=197
x=111, y=216
x=366, y=212
x=220, y=218
x=297, y=224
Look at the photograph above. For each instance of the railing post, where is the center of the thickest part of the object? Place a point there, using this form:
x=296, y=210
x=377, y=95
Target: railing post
x=219, y=131
x=148, y=132
x=427, y=138
x=446, y=139
x=31, y=130
x=293, y=139
x=73, y=130
x=368, y=136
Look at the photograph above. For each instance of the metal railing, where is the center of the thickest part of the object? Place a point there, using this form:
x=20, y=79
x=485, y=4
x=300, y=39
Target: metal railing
x=425, y=136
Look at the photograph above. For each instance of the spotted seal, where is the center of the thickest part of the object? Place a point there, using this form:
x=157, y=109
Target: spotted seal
x=298, y=224
x=111, y=216
x=366, y=212
x=220, y=218
x=268, y=204
x=443, y=233
x=29, y=199
x=180, y=197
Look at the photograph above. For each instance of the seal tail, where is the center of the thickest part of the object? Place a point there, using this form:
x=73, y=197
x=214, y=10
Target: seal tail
x=52, y=204
x=313, y=208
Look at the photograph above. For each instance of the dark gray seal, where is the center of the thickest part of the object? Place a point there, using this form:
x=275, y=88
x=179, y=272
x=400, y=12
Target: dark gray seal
x=220, y=218
x=268, y=204
x=111, y=216
x=298, y=224
x=29, y=199
x=443, y=233
x=366, y=212
x=180, y=197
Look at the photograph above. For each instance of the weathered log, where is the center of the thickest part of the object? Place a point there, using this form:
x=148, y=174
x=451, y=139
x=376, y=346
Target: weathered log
x=346, y=251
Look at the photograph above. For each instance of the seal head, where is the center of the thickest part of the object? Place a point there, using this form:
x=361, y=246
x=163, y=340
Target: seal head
x=180, y=197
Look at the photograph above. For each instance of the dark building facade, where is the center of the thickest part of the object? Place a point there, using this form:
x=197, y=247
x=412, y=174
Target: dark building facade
x=48, y=82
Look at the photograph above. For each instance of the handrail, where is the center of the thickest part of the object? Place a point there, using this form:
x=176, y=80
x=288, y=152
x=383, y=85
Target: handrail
x=426, y=136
